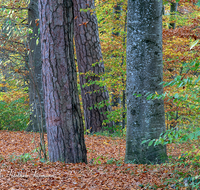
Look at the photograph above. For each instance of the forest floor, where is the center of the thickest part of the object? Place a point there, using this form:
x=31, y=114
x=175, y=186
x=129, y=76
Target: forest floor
x=106, y=168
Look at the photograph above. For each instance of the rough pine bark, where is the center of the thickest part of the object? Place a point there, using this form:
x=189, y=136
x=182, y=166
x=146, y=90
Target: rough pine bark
x=145, y=118
x=37, y=117
x=65, y=131
x=88, y=51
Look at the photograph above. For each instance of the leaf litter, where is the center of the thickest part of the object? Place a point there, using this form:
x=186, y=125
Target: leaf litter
x=105, y=169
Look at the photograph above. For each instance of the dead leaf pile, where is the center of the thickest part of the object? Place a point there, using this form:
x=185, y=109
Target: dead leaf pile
x=105, y=170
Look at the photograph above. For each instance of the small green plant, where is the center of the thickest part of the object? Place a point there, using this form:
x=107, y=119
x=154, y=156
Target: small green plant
x=183, y=180
x=87, y=131
x=42, y=160
x=1, y=158
x=97, y=160
x=182, y=135
x=119, y=132
x=14, y=115
x=114, y=161
x=22, y=158
x=102, y=133
x=111, y=161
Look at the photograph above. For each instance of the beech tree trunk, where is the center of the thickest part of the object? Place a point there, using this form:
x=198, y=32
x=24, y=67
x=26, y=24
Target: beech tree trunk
x=64, y=123
x=88, y=51
x=145, y=118
x=37, y=117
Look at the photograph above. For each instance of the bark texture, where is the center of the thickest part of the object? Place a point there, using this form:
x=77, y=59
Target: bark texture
x=173, y=10
x=65, y=131
x=145, y=118
x=88, y=51
x=37, y=117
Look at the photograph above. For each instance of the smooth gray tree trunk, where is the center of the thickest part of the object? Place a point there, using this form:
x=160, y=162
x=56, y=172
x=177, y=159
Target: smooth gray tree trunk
x=37, y=118
x=65, y=130
x=145, y=118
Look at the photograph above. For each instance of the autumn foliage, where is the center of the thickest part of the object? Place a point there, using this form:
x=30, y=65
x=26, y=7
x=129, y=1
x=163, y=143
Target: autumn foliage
x=106, y=169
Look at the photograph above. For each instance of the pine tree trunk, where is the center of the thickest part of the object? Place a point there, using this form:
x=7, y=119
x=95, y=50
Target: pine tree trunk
x=88, y=51
x=37, y=117
x=64, y=123
x=145, y=118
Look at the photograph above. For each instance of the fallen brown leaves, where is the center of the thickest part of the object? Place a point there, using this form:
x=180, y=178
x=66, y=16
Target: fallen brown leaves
x=98, y=174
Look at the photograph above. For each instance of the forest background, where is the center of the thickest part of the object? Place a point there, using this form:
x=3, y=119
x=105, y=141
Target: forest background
x=180, y=60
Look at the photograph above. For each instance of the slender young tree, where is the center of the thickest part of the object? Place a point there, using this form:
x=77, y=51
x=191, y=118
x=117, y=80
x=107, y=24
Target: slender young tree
x=35, y=70
x=89, y=58
x=65, y=131
x=173, y=10
x=145, y=118
x=116, y=100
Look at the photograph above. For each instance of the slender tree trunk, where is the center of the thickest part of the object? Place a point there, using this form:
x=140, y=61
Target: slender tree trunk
x=116, y=100
x=37, y=117
x=173, y=10
x=64, y=123
x=145, y=118
x=88, y=51
x=163, y=9
x=4, y=78
x=124, y=82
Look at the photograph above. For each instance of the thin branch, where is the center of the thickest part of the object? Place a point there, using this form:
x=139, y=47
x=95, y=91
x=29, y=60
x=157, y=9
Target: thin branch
x=14, y=8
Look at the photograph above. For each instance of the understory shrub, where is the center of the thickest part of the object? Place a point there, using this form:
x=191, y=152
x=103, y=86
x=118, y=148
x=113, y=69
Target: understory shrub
x=14, y=110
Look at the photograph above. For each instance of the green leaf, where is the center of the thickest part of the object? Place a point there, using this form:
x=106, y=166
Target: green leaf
x=191, y=136
x=37, y=41
x=144, y=141
x=176, y=95
x=193, y=44
x=198, y=3
x=149, y=96
x=151, y=142
x=157, y=142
